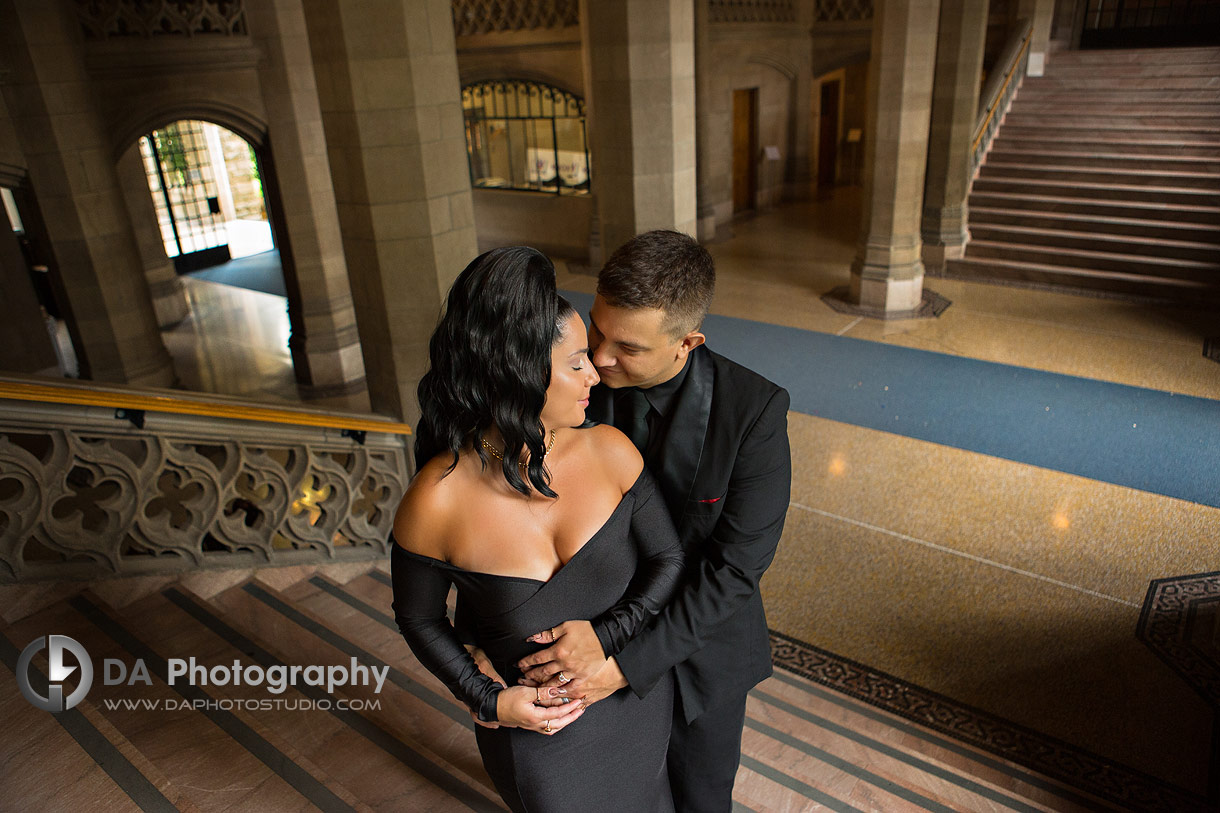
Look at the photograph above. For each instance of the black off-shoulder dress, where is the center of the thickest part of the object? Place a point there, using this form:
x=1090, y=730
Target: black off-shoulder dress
x=613, y=757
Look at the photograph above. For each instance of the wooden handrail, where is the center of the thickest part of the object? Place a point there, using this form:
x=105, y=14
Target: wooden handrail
x=64, y=393
x=981, y=128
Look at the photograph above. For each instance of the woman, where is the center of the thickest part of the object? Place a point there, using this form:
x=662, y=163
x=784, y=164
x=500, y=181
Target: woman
x=535, y=520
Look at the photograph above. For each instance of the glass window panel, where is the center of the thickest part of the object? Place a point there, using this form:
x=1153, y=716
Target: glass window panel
x=525, y=135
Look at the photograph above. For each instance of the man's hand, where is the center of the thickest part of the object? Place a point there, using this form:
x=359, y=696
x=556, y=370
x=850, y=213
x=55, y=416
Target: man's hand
x=605, y=682
x=481, y=660
x=574, y=654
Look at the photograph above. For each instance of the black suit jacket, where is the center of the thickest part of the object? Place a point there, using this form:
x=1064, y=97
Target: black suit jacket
x=725, y=470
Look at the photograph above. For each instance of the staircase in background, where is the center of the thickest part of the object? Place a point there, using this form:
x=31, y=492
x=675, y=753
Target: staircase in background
x=1105, y=176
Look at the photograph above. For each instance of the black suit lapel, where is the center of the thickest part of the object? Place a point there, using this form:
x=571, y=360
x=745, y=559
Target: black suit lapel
x=678, y=458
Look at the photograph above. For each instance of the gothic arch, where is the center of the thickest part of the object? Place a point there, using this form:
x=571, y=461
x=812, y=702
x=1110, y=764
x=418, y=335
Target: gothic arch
x=247, y=125
x=787, y=70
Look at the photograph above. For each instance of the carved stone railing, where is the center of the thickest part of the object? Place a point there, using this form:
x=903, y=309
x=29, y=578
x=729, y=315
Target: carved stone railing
x=88, y=491
x=998, y=92
x=491, y=16
x=103, y=19
x=751, y=11
x=843, y=11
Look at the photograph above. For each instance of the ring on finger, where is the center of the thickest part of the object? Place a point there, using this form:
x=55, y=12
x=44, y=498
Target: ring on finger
x=553, y=635
x=563, y=678
x=538, y=693
x=547, y=727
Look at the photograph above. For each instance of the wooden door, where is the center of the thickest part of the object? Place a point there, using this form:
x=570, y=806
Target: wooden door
x=828, y=134
x=745, y=149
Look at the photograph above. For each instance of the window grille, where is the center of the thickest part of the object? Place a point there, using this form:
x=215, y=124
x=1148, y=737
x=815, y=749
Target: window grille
x=526, y=135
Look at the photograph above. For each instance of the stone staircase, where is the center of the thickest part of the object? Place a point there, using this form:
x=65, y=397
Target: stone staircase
x=408, y=747
x=1105, y=177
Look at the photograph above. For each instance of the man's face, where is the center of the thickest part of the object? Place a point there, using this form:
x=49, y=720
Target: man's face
x=631, y=348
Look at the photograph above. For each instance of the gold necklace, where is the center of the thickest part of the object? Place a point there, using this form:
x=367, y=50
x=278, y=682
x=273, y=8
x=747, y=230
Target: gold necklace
x=496, y=454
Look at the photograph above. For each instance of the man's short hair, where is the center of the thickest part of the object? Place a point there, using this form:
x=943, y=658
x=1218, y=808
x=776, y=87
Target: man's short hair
x=661, y=269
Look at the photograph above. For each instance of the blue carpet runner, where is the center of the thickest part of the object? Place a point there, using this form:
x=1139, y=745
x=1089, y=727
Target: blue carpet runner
x=1141, y=438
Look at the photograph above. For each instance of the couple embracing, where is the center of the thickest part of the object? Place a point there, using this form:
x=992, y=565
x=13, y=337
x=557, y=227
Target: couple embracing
x=606, y=539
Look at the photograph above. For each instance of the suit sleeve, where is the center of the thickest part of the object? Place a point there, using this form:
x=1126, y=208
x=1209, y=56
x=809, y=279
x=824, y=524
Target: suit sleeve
x=656, y=577
x=419, y=609
x=731, y=561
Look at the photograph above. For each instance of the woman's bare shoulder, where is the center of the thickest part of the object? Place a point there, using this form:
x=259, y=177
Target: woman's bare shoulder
x=428, y=507
x=617, y=454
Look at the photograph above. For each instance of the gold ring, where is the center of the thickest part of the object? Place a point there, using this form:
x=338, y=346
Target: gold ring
x=547, y=728
x=553, y=635
x=538, y=694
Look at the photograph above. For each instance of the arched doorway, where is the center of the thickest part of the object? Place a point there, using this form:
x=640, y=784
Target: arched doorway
x=207, y=189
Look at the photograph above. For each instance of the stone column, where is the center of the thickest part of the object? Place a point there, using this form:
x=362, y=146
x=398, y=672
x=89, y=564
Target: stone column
x=704, y=133
x=325, y=341
x=955, y=95
x=168, y=298
x=642, y=122
x=887, y=274
x=798, y=180
x=72, y=173
x=391, y=107
x=1041, y=13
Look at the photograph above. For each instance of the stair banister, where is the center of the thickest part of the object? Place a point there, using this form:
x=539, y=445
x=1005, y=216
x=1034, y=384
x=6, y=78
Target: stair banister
x=1001, y=86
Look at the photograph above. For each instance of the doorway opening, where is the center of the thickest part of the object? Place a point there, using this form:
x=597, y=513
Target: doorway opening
x=745, y=149
x=828, y=134
x=207, y=189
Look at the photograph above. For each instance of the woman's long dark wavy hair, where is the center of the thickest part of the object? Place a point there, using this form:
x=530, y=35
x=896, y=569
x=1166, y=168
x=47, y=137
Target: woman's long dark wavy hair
x=491, y=363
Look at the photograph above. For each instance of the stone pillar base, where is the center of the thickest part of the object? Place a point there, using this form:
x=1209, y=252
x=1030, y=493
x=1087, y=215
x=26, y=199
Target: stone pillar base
x=169, y=302
x=879, y=289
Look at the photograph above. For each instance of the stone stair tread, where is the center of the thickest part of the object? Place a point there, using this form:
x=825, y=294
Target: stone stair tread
x=1106, y=156
x=1082, y=254
x=1117, y=203
x=1015, y=130
x=1117, y=239
x=1086, y=220
x=1101, y=141
x=1204, y=194
x=1087, y=170
x=1066, y=271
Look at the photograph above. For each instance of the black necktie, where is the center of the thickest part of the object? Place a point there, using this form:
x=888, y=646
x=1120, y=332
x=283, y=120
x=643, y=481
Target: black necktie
x=634, y=422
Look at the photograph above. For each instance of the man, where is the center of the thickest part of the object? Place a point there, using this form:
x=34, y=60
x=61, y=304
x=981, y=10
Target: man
x=715, y=436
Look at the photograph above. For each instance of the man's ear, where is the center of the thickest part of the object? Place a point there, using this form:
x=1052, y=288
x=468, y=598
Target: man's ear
x=689, y=342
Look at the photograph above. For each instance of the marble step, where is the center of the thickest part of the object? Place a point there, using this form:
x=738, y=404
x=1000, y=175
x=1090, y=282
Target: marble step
x=1099, y=79
x=1179, y=122
x=1154, y=177
x=1067, y=131
x=1119, y=244
x=1112, y=160
x=1205, y=55
x=1060, y=68
x=1040, y=200
x=1129, y=227
x=1065, y=188
x=1085, y=259
x=1081, y=145
x=1105, y=283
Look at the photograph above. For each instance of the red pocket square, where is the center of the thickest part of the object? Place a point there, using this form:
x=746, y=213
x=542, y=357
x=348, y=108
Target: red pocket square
x=712, y=500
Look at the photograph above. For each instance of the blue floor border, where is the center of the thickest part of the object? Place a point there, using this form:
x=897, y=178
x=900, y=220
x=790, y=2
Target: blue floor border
x=1146, y=439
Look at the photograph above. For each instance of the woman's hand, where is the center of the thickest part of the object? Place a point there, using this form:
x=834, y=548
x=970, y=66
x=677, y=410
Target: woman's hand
x=575, y=653
x=520, y=707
